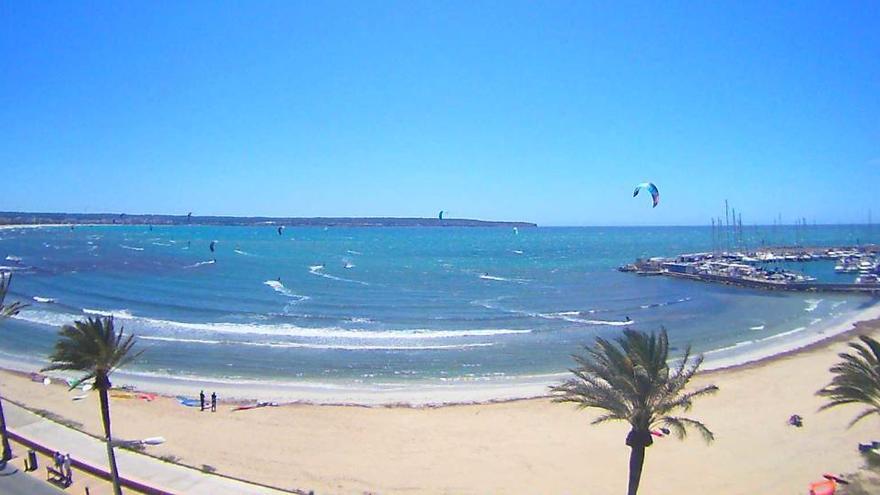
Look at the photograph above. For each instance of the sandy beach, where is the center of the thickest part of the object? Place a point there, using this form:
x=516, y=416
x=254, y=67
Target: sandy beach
x=520, y=446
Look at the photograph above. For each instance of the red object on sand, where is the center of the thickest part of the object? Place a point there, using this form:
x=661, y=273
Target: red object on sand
x=827, y=487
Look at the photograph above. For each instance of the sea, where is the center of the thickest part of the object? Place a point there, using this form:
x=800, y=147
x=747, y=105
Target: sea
x=377, y=315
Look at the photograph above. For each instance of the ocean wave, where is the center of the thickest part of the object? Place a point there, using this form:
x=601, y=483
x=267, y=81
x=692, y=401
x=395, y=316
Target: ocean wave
x=201, y=263
x=783, y=334
x=496, y=278
x=318, y=270
x=570, y=316
x=665, y=303
x=166, y=244
x=243, y=253
x=757, y=327
x=300, y=345
x=812, y=304
x=123, y=246
x=730, y=347
x=116, y=313
x=283, y=329
x=281, y=289
x=356, y=253
x=14, y=259
x=40, y=299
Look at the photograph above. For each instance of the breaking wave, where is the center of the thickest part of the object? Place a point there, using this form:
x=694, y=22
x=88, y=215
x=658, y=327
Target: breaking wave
x=318, y=270
x=281, y=289
x=283, y=329
x=300, y=345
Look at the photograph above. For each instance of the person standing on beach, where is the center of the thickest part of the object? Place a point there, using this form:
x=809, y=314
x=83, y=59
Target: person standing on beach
x=65, y=463
x=202, y=399
x=213, y=401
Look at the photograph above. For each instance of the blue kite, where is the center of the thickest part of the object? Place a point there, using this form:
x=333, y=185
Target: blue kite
x=655, y=193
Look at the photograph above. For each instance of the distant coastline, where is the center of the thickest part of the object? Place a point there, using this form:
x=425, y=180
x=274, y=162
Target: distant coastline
x=26, y=218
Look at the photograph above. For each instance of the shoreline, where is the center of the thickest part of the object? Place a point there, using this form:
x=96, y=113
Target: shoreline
x=434, y=395
x=504, y=446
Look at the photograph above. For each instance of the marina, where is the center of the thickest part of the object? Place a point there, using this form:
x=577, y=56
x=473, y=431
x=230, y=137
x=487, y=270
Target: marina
x=759, y=269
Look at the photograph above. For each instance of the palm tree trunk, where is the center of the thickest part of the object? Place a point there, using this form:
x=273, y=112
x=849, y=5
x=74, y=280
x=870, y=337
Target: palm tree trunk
x=105, y=417
x=636, y=461
x=7, y=449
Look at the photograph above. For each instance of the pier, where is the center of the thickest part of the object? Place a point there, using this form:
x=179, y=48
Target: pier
x=748, y=270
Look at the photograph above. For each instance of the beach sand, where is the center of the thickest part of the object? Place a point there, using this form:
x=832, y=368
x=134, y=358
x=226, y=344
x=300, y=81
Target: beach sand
x=525, y=446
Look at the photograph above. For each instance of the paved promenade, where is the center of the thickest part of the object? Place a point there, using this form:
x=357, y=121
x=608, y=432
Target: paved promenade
x=90, y=454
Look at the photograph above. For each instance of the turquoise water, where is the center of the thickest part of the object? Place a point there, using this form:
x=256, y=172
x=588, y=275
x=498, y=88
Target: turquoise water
x=379, y=306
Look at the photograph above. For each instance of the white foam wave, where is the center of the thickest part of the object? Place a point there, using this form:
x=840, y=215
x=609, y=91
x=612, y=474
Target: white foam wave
x=15, y=259
x=161, y=244
x=356, y=253
x=201, y=263
x=568, y=316
x=123, y=246
x=517, y=251
x=281, y=289
x=243, y=253
x=300, y=345
x=783, y=334
x=757, y=327
x=318, y=270
x=812, y=304
x=493, y=277
x=40, y=299
x=48, y=318
x=116, y=313
x=285, y=330
x=730, y=347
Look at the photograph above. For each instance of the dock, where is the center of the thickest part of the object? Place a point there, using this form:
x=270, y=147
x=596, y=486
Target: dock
x=748, y=269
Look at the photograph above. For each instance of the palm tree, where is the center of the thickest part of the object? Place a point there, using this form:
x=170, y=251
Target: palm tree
x=6, y=310
x=92, y=346
x=630, y=380
x=856, y=379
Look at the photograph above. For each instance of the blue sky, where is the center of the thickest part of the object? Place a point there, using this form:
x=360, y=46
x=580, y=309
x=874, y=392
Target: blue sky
x=541, y=111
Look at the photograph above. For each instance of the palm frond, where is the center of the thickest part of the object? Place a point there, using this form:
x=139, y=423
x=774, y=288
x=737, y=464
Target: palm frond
x=680, y=425
x=629, y=379
x=92, y=346
x=8, y=310
x=856, y=379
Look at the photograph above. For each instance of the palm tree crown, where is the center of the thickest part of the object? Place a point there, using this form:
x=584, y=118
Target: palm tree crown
x=92, y=346
x=631, y=381
x=856, y=379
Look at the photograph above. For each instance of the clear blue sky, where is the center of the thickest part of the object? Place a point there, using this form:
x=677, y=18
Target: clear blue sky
x=541, y=111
